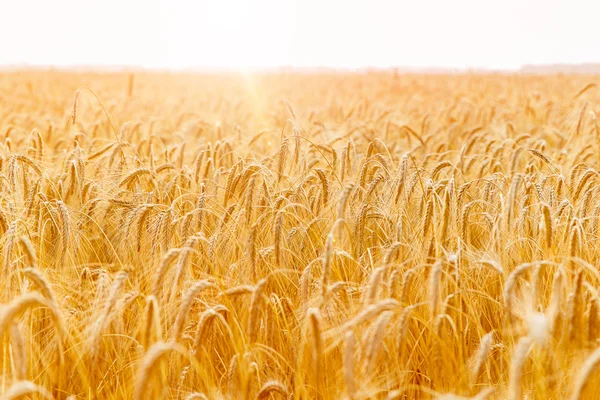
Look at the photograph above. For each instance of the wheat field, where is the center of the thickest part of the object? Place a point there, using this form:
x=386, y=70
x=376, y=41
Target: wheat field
x=299, y=236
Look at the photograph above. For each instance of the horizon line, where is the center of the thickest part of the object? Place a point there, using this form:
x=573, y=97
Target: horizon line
x=523, y=68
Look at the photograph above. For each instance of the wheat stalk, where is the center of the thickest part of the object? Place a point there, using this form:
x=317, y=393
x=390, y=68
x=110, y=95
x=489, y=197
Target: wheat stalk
x=519, y=357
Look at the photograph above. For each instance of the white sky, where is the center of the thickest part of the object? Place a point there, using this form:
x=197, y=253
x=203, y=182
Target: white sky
x=271, y=33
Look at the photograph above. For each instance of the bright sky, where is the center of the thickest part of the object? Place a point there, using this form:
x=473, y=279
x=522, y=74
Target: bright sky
x=271, y=33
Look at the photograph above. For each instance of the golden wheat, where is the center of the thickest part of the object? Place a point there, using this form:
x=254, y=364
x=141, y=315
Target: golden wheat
x=363, y=235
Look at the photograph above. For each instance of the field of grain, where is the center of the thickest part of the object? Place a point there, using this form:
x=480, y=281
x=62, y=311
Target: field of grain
x=297, y=236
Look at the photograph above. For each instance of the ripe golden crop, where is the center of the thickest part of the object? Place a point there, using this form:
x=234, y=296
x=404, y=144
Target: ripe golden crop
x=326, y=236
